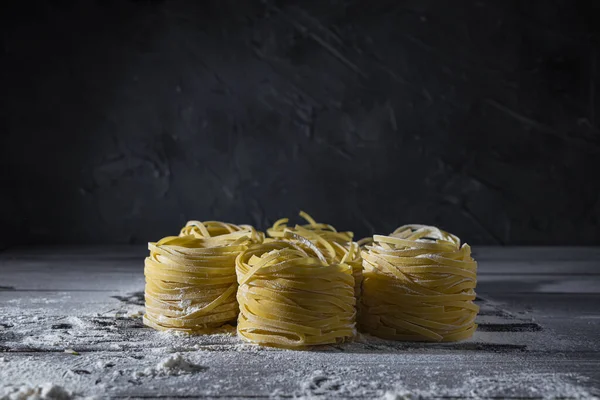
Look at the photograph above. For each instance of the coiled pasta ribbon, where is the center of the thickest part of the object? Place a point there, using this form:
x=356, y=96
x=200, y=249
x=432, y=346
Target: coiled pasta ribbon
x=336, y=247
x=219, y=229
x=418, y=286
x=190, y=279
x=290, y=297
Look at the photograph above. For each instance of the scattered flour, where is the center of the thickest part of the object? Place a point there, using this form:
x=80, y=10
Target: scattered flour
x=536, y=385
x=507, y=385
x=46, y=339
x=79, y=323
x=401, y=394
x=185, y=303
x=114, y=350
x=45, y=391
x=173, y=333
x=336, y=383
x=103, y=364
x=174, y=364
x=135, y=314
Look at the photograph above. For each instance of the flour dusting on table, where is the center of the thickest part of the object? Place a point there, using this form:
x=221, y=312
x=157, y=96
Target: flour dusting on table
x=113, y=354
x=46, y=391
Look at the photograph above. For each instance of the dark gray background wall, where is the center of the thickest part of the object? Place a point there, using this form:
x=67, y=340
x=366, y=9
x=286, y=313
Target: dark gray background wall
x=123, y=119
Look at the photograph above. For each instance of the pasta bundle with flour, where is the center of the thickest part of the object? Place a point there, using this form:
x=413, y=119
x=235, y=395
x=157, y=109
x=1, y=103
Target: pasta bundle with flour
x=190, y=279
x=418, y=286
x=290, y=296
x=335, y=246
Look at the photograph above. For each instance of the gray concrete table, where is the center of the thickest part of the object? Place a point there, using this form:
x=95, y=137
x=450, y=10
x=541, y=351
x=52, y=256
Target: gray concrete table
x=70, y=317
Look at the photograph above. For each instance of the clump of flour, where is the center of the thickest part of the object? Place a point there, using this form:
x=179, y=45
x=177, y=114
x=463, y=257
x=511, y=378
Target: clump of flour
x=175, y=364
x=46, y=391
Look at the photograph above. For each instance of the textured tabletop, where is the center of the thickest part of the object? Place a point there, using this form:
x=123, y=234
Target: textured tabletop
x=70, y=318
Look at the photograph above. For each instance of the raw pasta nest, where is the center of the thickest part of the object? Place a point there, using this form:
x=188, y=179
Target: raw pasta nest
x=292, y=298
x=335, y=246
x=418, y=286
x=190, y=279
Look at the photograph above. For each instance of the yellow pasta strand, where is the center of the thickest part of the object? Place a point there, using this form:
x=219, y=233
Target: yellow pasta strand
x=210, y=229
x=291, y=298
x=419, y=285
x=334, y=246
x=190, y=279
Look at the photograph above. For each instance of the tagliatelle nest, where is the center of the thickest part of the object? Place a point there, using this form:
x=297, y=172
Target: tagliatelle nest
x=418, y=286
x=291, y=298
x=190, y=279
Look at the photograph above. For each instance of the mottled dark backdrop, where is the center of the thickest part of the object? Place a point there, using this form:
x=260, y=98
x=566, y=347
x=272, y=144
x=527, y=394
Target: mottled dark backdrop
x=123, y=119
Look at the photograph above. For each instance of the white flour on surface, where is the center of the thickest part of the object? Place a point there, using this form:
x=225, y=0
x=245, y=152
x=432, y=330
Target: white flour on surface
x=115, y=356
x=339, y=383
x=174, y=364
x=502, y=385
x=46, y=391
